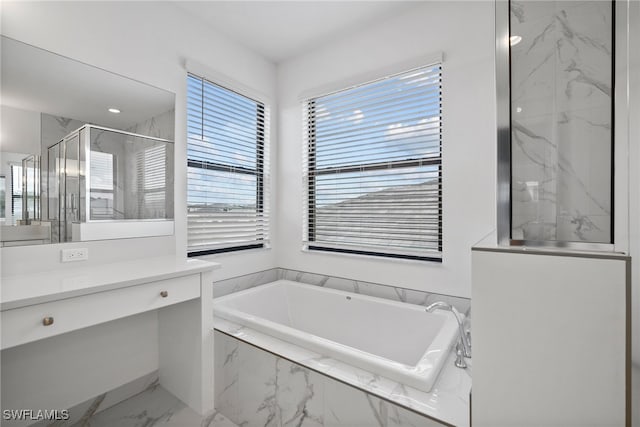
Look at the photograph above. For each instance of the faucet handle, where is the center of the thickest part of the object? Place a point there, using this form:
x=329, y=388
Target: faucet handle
x=460, y=362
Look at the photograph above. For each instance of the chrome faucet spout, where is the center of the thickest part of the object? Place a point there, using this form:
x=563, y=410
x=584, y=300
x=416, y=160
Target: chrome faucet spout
x=464, y=339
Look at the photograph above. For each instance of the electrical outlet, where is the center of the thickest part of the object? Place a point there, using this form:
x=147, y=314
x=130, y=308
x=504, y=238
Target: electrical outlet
x=77, y=254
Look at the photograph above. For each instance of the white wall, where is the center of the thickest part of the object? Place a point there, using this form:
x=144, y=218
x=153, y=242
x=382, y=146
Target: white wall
x=464, y=32
x=20, y=130
x=634, y=193
x=149, y=42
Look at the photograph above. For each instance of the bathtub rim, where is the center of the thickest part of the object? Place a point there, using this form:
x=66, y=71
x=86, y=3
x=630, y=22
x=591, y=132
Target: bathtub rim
x=419, y=376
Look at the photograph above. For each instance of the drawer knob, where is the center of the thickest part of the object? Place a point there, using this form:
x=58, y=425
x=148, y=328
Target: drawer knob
x=164, y=294
x=47, y=321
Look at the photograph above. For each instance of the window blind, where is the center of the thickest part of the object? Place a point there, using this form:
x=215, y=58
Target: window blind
x=101, y=188
x=372, y=168
x=151, y=175
x=228, y=156
x=16, y=192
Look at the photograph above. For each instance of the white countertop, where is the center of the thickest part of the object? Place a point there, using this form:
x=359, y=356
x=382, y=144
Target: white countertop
x=37, y=288
x=490, y=244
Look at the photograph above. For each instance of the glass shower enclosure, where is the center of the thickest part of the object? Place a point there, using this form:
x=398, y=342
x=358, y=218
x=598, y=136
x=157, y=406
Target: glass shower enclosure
x=30, y=189
x=97, y=175
x=555, y=81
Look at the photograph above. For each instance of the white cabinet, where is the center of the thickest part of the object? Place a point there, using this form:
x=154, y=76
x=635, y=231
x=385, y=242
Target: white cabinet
x=39, y=312
x=550, y=338
x=34, y=322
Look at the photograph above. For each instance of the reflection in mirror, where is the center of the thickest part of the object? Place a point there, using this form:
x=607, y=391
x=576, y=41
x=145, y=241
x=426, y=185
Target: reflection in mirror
x=30, y=189
x=85, y=154
x=129, y=176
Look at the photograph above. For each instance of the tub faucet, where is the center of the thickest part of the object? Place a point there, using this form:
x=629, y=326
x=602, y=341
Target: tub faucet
x=464, y=338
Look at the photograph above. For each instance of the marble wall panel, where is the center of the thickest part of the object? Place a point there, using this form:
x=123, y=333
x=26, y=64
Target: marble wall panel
x=561, y=93
x=273, y=391
x=235, y=284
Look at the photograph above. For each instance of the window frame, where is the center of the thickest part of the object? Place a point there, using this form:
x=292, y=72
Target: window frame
x=312, y=172
x=258, y=172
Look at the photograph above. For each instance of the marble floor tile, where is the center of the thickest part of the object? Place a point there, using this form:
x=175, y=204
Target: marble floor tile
x=155, y=407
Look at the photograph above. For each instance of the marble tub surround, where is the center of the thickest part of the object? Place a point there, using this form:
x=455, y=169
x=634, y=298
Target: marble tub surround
x=374, y=289
x=240, y=283
x=561, y=103
x=375, y=334
x=275, y=386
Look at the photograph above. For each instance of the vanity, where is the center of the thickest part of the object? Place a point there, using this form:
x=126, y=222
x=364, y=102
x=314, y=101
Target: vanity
x=42, y=307
x=94, y=304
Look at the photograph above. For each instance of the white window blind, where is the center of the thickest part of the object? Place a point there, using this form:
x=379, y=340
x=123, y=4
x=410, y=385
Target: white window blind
x=16, y=192
x=101, y=186
x=372, y=166
x=227, y=151
x=151, y=174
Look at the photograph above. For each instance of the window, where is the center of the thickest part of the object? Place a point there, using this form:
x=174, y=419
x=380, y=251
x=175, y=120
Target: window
x=101, y=186
x=16, y=193
x=151, y=170
x=227, y=152
x=3, y=195
x=373, y=171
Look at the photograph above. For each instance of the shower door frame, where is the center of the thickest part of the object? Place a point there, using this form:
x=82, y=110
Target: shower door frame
x=86, y=191
x=619, y=141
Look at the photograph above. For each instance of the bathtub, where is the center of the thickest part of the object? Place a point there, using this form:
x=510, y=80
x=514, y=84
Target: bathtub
x=400, y=341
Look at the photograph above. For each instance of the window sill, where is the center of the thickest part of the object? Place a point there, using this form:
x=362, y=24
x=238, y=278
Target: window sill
x=364, y=257
x=205, y=256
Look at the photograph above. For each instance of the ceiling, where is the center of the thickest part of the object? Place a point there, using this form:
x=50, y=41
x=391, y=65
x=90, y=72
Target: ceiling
x=281, y=30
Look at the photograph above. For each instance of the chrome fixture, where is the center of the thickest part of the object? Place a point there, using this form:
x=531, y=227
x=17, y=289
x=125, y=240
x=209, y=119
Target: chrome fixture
x=460, y=362
x=464, y=338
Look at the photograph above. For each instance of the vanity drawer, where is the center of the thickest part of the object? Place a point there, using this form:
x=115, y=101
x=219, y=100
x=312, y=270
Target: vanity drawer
x=34, y=322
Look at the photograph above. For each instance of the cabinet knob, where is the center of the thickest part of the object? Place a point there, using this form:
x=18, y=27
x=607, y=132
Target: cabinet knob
x=164, y=294
x=47, y=321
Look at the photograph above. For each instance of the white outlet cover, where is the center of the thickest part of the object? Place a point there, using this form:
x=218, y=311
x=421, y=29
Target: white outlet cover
x=75, y=254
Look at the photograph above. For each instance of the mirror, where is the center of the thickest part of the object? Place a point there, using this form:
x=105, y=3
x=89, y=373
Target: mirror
x=85, y=154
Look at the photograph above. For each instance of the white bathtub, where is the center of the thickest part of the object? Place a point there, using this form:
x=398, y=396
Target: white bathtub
x=400, y=341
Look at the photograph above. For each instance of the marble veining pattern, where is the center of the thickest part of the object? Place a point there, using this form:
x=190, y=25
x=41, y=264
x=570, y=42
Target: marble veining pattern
x=561, y=120
x=52, y=130
x=240, y=283
x=160, y=126
x=373, y=289
x=307, y=386
x=154, y=407
x=81, y=414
